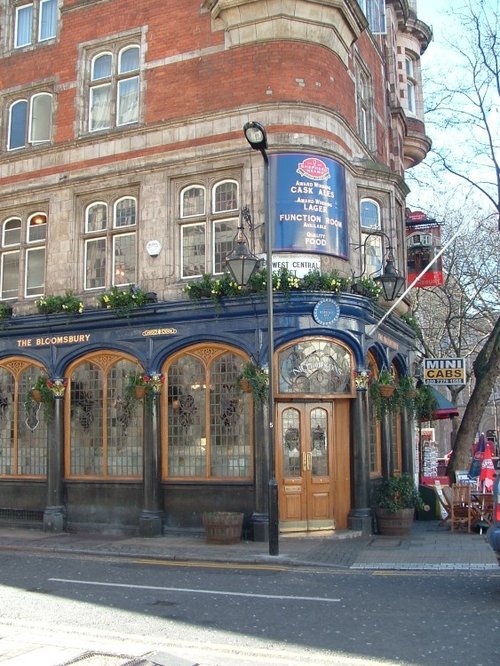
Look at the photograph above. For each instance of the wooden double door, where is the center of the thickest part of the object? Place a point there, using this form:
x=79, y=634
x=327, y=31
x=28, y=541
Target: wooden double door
x=312, y=466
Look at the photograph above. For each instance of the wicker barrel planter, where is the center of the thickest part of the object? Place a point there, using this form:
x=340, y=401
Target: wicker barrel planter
x=223, y=527
x=396, y=523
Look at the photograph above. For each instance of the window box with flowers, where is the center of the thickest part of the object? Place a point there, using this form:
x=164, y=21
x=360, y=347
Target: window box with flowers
x=365, y=286
x=69, y=304
x=5, y=311
x=123, y=301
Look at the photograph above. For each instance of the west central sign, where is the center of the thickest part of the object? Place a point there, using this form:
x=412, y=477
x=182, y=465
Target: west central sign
x=444, y=371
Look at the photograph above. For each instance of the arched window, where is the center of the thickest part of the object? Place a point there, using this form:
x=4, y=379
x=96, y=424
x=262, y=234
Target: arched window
x=206, y=243
x=23, y=424
x=30, y=121
x=106, y=431
x=110, y=243
x=208, y=419
x=23, y=261
x=114, y=88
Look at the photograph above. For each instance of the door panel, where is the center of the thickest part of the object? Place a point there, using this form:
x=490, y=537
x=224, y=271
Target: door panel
x=304, y=469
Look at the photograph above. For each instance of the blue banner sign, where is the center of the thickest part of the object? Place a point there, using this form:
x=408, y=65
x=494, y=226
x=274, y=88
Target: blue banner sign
x=308, y=206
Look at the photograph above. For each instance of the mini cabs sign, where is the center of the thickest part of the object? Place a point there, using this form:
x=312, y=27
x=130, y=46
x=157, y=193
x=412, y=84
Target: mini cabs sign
x=444, y=371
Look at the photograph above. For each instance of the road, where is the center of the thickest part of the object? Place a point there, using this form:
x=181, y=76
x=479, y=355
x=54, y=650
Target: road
x=218, y=614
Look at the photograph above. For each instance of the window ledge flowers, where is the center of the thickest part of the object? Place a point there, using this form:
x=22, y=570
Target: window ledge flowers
x=123, y=300
x=284, y=281
x=69, y=303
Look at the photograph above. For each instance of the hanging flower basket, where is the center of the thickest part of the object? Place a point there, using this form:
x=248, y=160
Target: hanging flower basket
x=36, y=395
x=140, y=392
x=386, y=390
x=223, y=527
x=245, y=385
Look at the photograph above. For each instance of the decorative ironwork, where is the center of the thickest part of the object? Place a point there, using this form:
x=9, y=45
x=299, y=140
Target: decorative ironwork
x=187, y=410
x=315, y=366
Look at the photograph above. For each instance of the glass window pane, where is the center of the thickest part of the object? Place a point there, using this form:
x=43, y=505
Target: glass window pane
x=129, y=60
x=32, y=430
x=128, y=101
x=12, y=232
x=373, y=255
x=187, y=438
x=224, y=233
x=291, y=445
x=101, y=66
x=10, y=275
x=37, y=227
x=17, y=124
x=193, y=250
x=225, y=197
x=125, y=213
x=100, y=107
x=86, y=414
x=96, y=218
x=24, y=19
x=319, y=448
x=48, y=19
x=369, y=214
x=229, y=419
x=41, y=118
x=35, y=272
x=95, y=263
x=123, y=424
x=315, y=366
x=124, y=257
x=193, y=201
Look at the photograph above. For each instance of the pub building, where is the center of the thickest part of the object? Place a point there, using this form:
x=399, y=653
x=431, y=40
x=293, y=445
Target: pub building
x=124, y=168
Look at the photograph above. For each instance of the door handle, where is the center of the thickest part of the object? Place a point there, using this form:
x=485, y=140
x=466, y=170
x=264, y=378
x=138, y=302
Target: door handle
x=306, y=462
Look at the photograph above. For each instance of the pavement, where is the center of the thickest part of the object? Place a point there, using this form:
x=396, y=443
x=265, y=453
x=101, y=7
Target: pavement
x=429, y=547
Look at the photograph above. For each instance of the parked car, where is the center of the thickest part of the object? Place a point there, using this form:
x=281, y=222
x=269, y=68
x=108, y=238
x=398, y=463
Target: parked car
x=494, y=530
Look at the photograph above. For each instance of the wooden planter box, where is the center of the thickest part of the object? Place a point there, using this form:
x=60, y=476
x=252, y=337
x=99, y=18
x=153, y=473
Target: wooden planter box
x=223, y=527
x=398, y=523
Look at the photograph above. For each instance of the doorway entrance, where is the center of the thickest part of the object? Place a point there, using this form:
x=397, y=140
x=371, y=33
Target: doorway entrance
x=305, y=464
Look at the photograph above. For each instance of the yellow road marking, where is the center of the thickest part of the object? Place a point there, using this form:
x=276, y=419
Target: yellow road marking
x=213, y=565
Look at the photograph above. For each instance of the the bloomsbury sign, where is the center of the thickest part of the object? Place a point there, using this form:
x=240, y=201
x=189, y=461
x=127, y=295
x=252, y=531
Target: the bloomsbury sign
x=47, y=340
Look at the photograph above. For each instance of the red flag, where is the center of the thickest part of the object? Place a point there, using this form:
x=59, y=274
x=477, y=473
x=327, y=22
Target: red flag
x=487, y=474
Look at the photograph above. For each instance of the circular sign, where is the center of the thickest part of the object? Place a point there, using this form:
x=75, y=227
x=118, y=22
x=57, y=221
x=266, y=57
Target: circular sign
x=326, y=312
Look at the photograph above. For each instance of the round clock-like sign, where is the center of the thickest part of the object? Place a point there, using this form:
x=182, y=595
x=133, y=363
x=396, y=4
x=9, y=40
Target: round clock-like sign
x=326, y=312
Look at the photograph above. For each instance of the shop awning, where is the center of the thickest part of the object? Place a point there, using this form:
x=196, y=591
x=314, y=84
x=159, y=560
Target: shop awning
x=445, y=409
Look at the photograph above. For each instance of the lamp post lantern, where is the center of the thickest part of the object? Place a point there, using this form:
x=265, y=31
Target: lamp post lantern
x=240, y=258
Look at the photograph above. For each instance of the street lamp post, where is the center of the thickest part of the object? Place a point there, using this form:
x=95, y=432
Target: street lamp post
x=255, y=134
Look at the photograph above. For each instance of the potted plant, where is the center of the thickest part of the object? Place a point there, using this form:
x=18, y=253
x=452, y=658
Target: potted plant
x=5, y=310
x=381, y=393
x=40, y=392
x=253, y=379
x=396, y=499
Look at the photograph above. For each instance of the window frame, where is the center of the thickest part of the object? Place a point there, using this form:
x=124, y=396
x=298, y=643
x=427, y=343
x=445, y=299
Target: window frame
x=411, y=84
x=25, y=248
x=371, y=237
x=29, y=124
x=39, y=11
x=113, y=81
x=207, y=220
x=108, y=234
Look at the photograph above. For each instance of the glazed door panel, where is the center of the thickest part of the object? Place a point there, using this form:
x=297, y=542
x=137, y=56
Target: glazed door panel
x=304, y=466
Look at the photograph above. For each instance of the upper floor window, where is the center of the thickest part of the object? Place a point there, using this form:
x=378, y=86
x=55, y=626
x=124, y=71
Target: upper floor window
x=410, y=84
x=372, y=241
x=114, y=88
x=364, y=100
x=35, y=22
x=374, y=11
x=206, y=241
x=30, y=121
x=110, y=243
x=22, y=259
